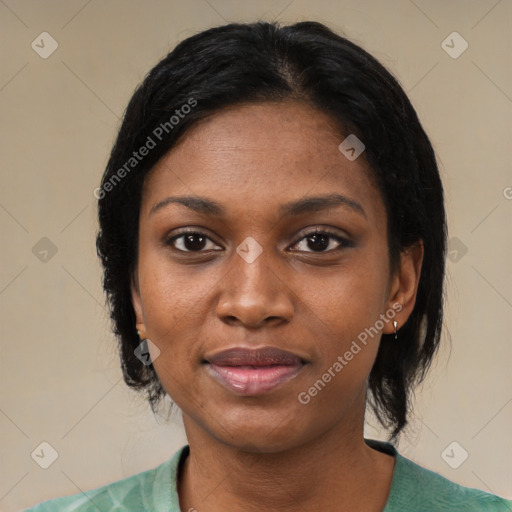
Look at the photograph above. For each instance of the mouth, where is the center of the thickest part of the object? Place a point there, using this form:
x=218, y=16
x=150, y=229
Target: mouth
x=252, y=372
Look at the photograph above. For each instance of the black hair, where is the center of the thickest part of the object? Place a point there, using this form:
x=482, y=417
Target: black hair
x=257, y=62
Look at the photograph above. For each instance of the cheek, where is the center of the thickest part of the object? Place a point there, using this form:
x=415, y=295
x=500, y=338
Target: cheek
x=166, y=307
x=344, y=314
x=350, y=299
x=342, y=321
x=171, y=293
x=177, y=314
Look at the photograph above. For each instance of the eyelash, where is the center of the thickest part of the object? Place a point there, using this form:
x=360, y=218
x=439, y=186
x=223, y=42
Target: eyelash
x=343, y=242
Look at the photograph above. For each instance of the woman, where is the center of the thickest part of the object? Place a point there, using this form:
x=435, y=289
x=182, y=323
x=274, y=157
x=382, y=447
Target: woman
x=272, y=232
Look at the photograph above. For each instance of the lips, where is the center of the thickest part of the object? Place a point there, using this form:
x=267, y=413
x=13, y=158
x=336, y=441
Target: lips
x=252, y=372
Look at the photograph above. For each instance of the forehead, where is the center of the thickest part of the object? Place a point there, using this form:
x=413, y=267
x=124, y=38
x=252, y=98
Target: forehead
x=261, y=154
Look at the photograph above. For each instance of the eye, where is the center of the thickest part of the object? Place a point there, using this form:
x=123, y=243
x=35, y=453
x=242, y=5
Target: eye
x=321, y=240
x=192, y=241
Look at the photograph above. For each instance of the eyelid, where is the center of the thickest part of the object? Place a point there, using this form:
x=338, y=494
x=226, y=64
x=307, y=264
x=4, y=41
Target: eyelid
x=169, y=239
x=342, y=239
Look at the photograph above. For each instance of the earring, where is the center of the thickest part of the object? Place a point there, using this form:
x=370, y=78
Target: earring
x=395, y=325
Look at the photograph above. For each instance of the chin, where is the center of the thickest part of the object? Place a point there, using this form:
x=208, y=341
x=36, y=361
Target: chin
x=261, y=431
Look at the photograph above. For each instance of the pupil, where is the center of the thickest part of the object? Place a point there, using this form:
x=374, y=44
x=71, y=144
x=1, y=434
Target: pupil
x=318, y=242
x=194, y=242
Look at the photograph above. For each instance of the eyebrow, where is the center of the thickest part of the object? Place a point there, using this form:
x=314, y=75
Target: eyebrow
x=298, y=207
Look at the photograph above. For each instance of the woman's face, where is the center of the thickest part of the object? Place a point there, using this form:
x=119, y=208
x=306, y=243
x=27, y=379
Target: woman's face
x=255, y=183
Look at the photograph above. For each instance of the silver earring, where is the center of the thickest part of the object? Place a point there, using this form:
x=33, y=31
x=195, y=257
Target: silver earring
x=395, y=325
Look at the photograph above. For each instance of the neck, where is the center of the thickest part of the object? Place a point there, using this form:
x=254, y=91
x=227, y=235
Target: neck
x=335, y=468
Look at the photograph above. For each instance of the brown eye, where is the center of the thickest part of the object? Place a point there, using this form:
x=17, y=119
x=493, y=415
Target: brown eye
x=191, y=242
x=321, y=241
x=318, y=242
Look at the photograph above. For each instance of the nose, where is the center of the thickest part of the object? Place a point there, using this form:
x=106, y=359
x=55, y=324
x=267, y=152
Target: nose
x=255, y=294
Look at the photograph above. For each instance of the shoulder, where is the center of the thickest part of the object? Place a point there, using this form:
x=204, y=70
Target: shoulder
x=416, y=488
x=154, y=489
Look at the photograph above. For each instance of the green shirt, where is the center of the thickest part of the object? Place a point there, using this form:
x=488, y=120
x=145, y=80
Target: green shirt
x=413, y=489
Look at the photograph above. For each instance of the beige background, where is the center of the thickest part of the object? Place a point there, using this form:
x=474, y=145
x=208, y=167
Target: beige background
x=59, y=376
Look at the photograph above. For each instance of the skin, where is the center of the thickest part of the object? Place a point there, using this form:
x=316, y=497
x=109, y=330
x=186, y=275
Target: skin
x=270, y=452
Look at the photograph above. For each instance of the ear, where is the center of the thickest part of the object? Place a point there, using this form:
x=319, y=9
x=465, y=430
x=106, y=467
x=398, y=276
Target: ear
x=404, y=286
x=137, y=305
